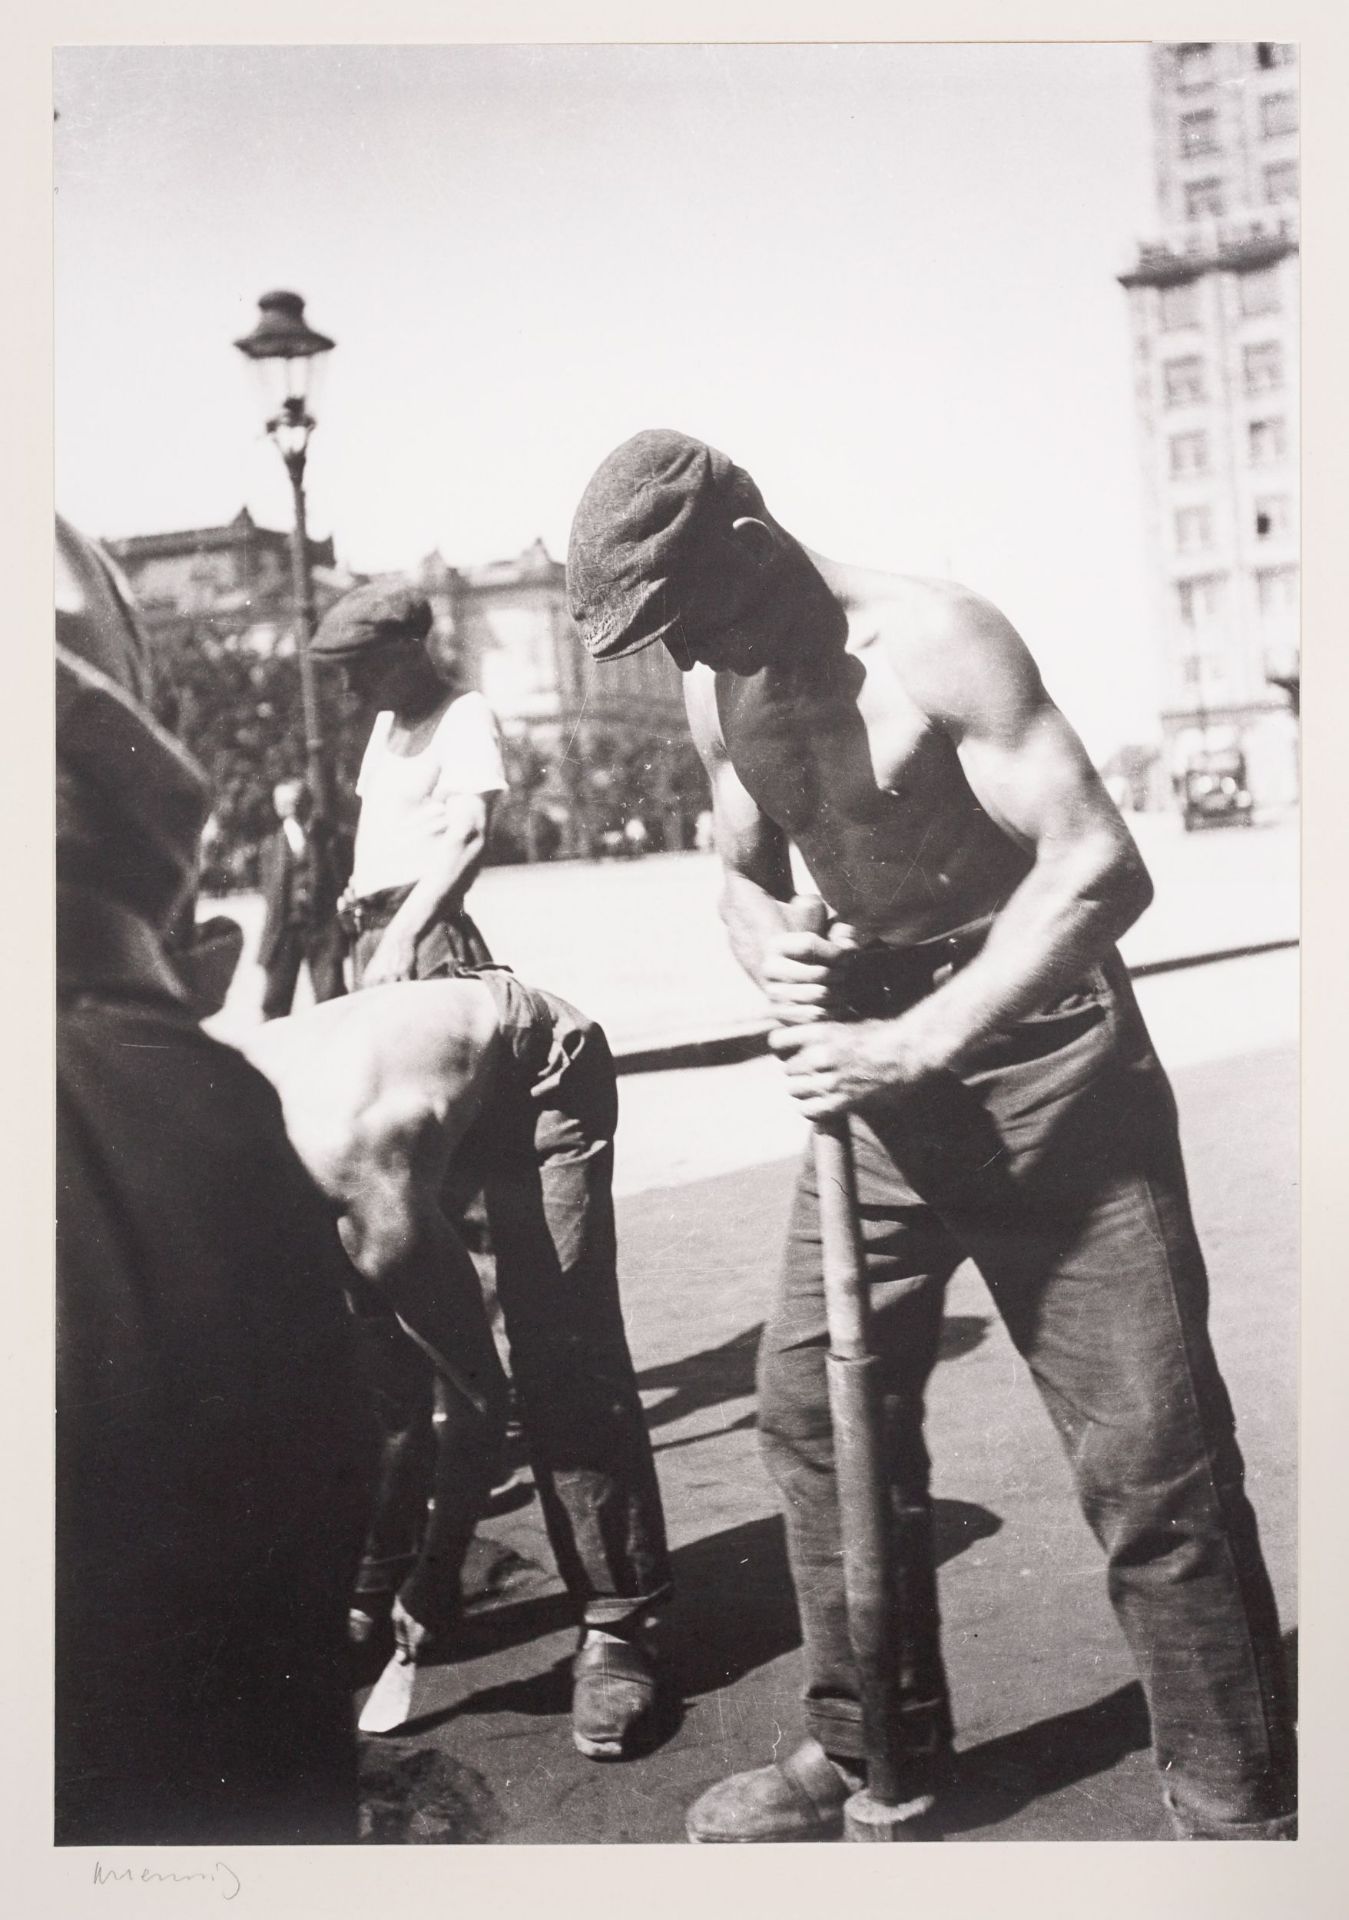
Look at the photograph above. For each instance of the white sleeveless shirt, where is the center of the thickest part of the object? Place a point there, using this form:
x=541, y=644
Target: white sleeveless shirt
x=403, y=796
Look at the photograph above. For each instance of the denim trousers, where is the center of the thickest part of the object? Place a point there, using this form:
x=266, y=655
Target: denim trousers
x=1053, y=1162
x=541, y=1154
x=445, y=945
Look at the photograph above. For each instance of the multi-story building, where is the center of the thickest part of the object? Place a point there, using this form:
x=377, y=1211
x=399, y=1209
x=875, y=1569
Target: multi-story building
x=1214, y=306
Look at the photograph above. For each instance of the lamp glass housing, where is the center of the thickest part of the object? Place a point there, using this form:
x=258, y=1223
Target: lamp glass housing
x=288, y=358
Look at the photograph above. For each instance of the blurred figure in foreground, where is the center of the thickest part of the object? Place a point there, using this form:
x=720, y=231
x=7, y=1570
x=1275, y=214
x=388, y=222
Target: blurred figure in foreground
x=303, y=872
x=209, y=1439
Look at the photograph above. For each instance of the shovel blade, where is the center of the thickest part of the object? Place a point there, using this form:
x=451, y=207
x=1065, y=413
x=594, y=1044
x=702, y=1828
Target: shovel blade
x=390, y=1703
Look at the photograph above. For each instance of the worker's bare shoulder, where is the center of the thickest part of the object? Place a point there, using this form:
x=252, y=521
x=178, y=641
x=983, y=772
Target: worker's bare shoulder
x=426, y=1027
x=385, y=1072
x=413, y=1043
x=958, y=656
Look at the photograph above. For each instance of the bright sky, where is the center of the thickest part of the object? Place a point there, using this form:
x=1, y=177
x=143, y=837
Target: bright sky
x=882, y=278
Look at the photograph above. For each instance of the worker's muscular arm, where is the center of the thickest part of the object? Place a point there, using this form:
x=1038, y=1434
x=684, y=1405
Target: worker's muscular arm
x=1031, y=774
x=397, y=1237
x=756, y=868
x=378, y=1090
x=439, y=891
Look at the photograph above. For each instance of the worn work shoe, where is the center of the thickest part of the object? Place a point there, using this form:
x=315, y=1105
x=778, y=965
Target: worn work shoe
x=613, y=1692
x=799, y=1798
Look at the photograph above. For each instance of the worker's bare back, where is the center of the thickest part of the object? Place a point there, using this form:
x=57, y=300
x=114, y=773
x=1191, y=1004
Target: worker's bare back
x=853, y=757
x=400, y=1069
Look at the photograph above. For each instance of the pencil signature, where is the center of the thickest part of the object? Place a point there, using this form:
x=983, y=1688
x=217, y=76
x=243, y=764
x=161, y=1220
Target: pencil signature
x=223, y=1878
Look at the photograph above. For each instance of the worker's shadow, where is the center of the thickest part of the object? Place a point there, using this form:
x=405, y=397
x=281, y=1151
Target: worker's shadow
x=999, y=1777
x=733, y=1612
x=715, y=1375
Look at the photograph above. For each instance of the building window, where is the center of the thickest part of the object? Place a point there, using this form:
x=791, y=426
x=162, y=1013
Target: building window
x=1262, y=366
x=1268, y=442
x=1281, y=182
x=1200, y=601
x=1194, y=529
x=1278, y=114
x=1276, y=589
x=1194, y=63
x=1201, y=197
x=1272, y=516
x=1259, y=291
x=1179, y=305
x=1199, y=132
x=1183, y=380
x=1189, y=453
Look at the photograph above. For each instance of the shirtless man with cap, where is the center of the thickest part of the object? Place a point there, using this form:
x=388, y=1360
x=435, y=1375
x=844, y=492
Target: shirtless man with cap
x=382, y=1093
x=970, y=1013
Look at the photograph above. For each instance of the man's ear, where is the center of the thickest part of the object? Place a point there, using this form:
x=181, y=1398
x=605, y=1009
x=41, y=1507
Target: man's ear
x=756, y=540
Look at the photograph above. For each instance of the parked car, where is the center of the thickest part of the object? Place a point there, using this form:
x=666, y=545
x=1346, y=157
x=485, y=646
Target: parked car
x=1214, y=793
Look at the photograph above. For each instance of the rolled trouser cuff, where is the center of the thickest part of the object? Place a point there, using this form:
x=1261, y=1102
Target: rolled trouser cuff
x=622, y=1613
x=925, y=1728
x=1191, y=1825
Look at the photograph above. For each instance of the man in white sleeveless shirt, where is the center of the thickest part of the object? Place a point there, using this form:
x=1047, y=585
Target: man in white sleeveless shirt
x=432, y=769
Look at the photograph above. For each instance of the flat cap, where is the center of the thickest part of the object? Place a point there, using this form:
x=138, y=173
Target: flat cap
x=377, y=615
x=637, y=537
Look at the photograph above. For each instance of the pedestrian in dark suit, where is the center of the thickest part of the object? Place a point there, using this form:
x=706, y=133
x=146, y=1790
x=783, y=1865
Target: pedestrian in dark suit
x=303, y=871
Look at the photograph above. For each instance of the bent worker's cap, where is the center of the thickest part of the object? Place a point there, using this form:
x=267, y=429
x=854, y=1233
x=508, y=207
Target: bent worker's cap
x=639, y=533
x=381, y=614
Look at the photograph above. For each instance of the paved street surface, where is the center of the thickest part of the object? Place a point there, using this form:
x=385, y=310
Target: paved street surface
x=1050, y=1723
x=638, y=943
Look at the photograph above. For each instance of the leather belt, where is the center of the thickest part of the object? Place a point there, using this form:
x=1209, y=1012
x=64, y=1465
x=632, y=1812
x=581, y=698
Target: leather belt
x=878, y=982
x=363, y=913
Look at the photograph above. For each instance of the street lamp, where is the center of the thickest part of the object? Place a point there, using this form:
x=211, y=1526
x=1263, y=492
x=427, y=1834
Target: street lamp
x=287, y=353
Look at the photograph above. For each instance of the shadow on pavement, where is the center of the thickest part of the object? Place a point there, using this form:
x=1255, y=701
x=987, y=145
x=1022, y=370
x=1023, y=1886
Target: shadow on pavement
x=733, y=1612
x=734, y=1609
x=703, y=1379
x=726, y=1372
x=744, y=1424
x=1000, y=1777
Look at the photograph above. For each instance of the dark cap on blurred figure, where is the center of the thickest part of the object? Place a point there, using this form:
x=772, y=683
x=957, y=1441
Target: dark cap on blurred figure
x=130, y=803
x=640, y=536
x=382, y=614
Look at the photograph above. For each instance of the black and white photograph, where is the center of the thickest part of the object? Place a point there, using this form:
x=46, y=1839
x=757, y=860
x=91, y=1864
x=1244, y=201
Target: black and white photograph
x=678, y=837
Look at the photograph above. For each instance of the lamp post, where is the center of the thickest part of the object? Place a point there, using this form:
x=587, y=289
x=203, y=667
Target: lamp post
x=286, y=352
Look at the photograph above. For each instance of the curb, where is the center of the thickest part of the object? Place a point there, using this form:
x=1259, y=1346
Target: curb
x=730, y=1046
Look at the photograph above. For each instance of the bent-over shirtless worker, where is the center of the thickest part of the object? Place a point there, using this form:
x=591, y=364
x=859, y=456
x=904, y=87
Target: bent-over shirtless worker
x=971, y=1014
x=385, y=1092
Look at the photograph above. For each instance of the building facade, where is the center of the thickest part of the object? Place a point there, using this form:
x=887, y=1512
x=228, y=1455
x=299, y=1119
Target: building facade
x=1214, y=307
x=597, y=745
x=590, y=748
x=232, y=583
